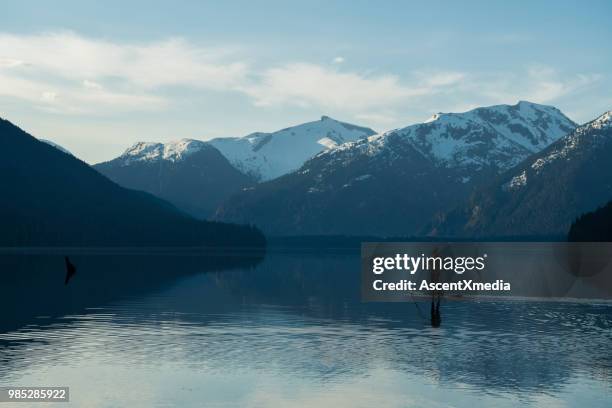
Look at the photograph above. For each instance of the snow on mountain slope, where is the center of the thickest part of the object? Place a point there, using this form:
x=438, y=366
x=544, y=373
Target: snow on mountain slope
x=394, y=183
x=500, y=136
x=567, y=146
x=544, y=194
x=172, y=151
x=269, y=155
x=192, y=175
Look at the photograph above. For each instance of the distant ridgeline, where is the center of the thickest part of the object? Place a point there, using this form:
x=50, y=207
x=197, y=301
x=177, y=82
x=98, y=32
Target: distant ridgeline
x=503, y=172
x=199, y=176
x=408, y=181
x=500, y=172
x=50, y=198
x=191, y=174
x=543, y=194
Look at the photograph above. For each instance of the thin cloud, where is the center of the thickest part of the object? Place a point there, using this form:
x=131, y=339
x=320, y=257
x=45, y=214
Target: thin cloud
x=169, y=62
x=537, y=83
x=67, y=73
x=305, y=84
x=91, y=84
x=68, y=64
x=76, y=98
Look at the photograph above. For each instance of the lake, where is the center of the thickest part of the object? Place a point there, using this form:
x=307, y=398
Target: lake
x=288, y=329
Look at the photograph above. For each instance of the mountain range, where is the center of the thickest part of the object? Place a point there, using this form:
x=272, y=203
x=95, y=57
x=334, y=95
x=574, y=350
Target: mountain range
x=503, y=170
x=265, y=156
x=53, y=199
x=394, y=183
x=198, y=176
x=543, y=194
x=191, y=174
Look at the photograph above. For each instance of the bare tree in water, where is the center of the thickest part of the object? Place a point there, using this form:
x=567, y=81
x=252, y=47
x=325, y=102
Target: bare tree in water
x=436, y=319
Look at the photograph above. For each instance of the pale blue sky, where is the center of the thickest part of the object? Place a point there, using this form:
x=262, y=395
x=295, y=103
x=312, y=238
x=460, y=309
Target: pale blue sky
x=99, y=77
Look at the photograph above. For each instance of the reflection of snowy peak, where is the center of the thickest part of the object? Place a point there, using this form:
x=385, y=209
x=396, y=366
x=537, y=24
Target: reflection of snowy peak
x=269, y=155
x=172, y=151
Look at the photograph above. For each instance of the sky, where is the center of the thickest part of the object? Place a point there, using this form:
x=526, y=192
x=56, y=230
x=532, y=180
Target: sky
x=97, y=77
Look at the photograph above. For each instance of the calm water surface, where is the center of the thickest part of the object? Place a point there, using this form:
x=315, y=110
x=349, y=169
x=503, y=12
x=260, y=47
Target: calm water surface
x=137, y=330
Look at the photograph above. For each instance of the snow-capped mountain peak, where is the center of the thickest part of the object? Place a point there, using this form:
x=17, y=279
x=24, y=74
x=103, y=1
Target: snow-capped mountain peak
x=495, y=137
x=500, y=135
x=583, y=137
x=602, y=122
x=182, y=148
x=173, y=151
x=143, y=150
x=269, y=155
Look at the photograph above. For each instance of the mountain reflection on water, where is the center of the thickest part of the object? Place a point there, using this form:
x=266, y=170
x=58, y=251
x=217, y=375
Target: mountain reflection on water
x=291, y=330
